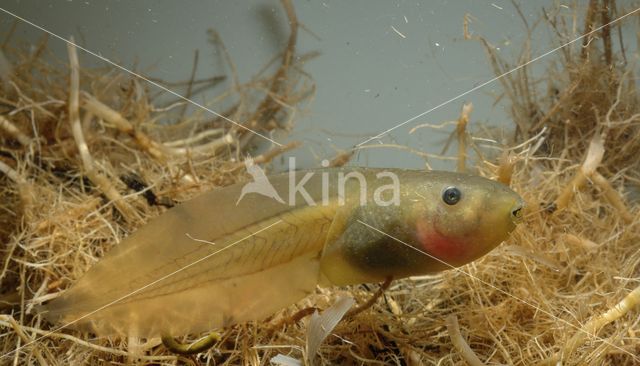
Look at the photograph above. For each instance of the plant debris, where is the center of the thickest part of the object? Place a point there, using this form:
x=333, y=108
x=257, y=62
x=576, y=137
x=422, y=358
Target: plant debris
x=85, y=160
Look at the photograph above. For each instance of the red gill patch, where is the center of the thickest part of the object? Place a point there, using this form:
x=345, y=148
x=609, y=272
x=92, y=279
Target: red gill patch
x=447, y=249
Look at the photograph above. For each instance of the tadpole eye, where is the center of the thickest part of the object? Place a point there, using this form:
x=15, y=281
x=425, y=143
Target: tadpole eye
x=451, y=195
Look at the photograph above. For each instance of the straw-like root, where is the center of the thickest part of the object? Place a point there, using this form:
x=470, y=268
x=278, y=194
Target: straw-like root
x=460, y=344
x=102, y=182
x=593, y=326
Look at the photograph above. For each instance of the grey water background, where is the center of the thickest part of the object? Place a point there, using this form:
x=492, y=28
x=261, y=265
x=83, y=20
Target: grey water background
x=380, y=64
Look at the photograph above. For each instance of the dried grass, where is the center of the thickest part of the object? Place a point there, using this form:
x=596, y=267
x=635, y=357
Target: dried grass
x=565, y=288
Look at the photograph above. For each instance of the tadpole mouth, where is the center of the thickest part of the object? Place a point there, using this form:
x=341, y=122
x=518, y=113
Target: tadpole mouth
x=517, y=212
